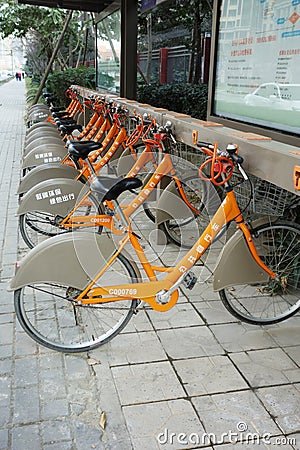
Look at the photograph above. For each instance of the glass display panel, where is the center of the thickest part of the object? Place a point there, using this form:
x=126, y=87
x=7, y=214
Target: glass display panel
x=108, y=53
x=258, y=63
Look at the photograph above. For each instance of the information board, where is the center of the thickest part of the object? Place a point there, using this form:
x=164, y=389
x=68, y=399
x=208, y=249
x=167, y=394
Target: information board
x=258, y=63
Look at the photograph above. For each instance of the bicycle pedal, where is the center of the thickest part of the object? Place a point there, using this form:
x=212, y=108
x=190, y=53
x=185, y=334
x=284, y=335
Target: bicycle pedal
x=190, y=280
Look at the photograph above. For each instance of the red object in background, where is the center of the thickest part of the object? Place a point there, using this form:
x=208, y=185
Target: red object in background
x=206, y=58
x=163, y=66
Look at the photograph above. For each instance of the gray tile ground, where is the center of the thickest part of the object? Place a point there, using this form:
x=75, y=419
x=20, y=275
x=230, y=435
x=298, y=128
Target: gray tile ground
x=190, y=378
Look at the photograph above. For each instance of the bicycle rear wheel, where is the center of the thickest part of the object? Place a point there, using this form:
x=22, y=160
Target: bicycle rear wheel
x=36, y=226
x=49, y=316
x=278, y=245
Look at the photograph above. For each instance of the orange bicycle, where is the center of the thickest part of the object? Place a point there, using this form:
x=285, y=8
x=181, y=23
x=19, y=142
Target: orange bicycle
x=90, y=287
x=40, y=218
x=108, y=128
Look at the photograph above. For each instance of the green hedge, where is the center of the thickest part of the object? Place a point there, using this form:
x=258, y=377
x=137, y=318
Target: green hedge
x=189, y=99
x=58, y=81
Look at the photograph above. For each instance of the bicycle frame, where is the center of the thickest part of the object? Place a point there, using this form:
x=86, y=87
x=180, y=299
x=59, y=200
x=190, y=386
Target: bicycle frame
x=164, y=168
x=72, y=109
x=116, y=135
x=166, y=289
x=94, y=123
x=34, y=177
x=113, y=144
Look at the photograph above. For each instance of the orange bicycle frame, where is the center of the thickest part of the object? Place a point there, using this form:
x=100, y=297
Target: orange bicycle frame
x=146, y=291
x=165, y=167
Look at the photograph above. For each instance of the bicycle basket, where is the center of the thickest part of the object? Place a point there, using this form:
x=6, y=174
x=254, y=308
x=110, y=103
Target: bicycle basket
x=268, y=199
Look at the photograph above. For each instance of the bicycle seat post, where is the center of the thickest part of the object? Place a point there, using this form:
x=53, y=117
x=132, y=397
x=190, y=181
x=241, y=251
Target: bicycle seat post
x=91, y=167
x=124, y=220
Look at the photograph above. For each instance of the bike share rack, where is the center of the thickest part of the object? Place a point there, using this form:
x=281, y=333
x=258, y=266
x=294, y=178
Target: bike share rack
x=272, y=165
x=269, y=160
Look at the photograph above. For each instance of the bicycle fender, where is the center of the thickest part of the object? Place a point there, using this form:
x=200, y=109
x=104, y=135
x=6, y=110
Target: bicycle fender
x=125, y=163
x=46, y=172
x=236, y=265
x=171, y=206
x=38, y=107
x=79, y=118
x=43, y=155
x=45, y=140
x=73, y=259
x=35, y=134
x=56, y=196
x=38, y=115
x=115, y=157
x=41, y=126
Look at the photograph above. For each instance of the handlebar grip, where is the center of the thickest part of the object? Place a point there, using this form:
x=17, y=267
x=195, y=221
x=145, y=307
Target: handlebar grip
x=237, y=158
x=205, y=144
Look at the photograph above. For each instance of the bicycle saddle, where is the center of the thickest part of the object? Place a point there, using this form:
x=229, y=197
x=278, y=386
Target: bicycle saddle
x=69, y=127
x=54, y=109
x=64, y=120
x=110, y=188
x=83, y=148
x=60, y=114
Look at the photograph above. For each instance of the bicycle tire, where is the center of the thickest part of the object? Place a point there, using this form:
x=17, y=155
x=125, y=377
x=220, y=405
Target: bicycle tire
x=149, y=207
x=52, y=320
x=185, y=232
x=35, y=226
x=149, y=212
x=278, y=245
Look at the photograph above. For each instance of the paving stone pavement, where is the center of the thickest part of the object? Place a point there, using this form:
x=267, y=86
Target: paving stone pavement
x=192, y=377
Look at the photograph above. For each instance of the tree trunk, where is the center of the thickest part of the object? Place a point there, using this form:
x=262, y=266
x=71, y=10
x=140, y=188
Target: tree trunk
x=48, y=69
x=198, y=65
x=86, y=38
x=62, y=61
x=192, y=58
x=149, y=54
x=197, y=42
x=78, y=58
x=108, y=35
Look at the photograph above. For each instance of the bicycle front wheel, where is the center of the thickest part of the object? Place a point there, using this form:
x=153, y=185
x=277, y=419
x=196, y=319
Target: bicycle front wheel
x=49, y=316
x=278, y=246
x=203, y=201
x=36, y=226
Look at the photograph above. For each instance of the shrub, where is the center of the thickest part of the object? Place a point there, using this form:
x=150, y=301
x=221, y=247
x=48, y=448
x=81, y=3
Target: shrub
x=58, y=81
x=31, y=90
x=185, y=98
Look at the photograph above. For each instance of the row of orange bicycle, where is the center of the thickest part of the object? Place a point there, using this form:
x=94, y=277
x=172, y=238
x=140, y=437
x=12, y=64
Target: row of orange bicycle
x=87, y=173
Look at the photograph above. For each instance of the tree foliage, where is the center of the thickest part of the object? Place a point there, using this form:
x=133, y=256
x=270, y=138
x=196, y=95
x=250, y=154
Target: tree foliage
x=182, y=97
x=18, y=20
x=39, y=28
x=59, y=81
x=177, y=13
x=178, y=22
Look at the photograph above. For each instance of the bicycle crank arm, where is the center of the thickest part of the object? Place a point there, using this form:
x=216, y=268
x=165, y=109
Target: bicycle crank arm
x=188, y=279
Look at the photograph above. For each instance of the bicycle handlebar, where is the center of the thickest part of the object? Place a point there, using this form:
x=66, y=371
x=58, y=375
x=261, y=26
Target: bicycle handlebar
x=230, y=151
x=221, y=161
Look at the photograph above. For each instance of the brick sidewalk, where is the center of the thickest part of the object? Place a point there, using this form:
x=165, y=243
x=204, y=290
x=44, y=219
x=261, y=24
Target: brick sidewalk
x=192, y=370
